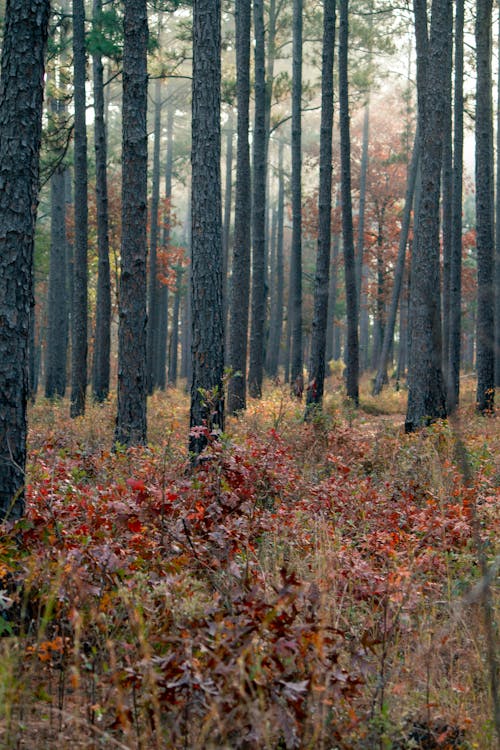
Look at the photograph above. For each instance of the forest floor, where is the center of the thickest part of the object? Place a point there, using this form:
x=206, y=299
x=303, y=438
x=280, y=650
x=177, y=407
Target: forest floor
x=311, y=585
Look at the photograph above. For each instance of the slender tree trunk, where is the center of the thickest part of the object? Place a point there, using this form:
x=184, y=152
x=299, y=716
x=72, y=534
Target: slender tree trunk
x=332, y=299
x=226, y=233
x=352, y=364
x=319, y=327
x=240, y=287
x=497, y=235
x=296, y=356
x=258, y=307
x=102, y=341
x=426, y=398
x=485, y=358
x=21, y=96
x=160, y=346
x=447, y=186
x=400, y=266
x=207, y=397
x=79, y=310
x=174, y=339
x=57, y=314
x=153, y=286
x=453, y=391
x=276, y=318
x=131, y=421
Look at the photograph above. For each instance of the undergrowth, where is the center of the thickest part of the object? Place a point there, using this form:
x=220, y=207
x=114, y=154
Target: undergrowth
x=309, y=585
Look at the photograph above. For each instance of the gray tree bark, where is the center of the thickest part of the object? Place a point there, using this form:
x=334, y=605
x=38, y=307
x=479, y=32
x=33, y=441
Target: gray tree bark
x=207, y=397
x=296, y=356
x=455, y=316
x=102, y=339
x=485, y=358
x=426, y=398
x=315, y=386
x=79, y=310
x=153, y=286
x=131, y=421
x=21, y=96
x=352, y=360
x=258, y=311
x=240, y=286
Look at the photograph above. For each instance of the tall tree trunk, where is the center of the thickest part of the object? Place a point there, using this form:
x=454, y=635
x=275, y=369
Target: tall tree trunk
x=79, y=310
x=426, y=398
x=258, y=309
x=453, y=391
x=102, y=341
x=207, y=397
x=21, y=96
x=318, y=341
x=174, y=339
x=276, y=320
x=153, y=287
x=400, y=266
x=160, y=346
x=226, y=230
x=447, y=199
x=497, y=237
x=131, y=421
x=332, y=299
x=485, y=359
x=352, y=363
x=240, y=287
x=57, y=313
x=296, y=356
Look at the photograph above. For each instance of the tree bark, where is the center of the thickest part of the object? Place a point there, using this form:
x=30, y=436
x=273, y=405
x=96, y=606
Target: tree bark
x=57, y=313
x=485, y=358
x=320, y=316
x=258, y=311
x=447, y=199
x=153, y=286
x=131, y=424
x=102, y=340
x=240, y=286
x=296, y=356
x=352, y=362
x=426, y=398
x=79, y=310
x=455, y=315
x=21, y=96
x=207, y=397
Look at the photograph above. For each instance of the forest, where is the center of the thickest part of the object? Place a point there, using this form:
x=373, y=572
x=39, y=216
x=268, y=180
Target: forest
x=249, y=347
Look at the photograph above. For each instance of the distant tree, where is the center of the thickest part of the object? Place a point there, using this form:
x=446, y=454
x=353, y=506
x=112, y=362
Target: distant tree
x=131, y=422
x=80, y=301
x=352, y=361
x=57, y=307
x=318, y=340
x=240, y=286
x=485, y=357
x=426, y=398
x=21, y=97
x=207, y=397
x=102, y=338
x=153, y=286
x=276, y=316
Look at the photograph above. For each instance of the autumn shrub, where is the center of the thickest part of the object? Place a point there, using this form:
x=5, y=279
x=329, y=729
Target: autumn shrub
x=306, y=586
